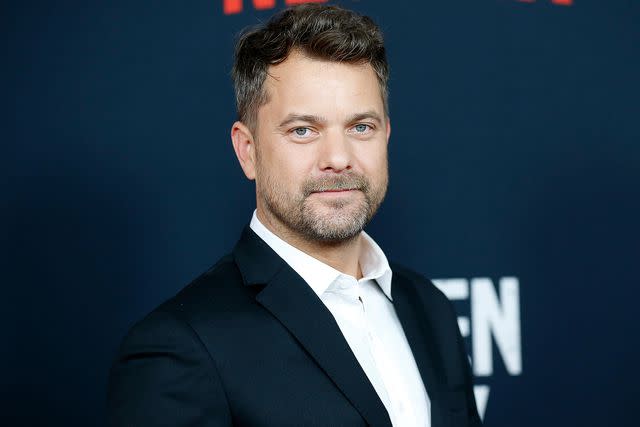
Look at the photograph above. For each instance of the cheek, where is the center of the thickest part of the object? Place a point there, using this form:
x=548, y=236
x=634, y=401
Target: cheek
x=374, y=160
x=288, y=167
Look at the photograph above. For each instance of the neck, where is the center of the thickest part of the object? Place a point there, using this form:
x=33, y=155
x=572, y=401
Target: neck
x=343, y=255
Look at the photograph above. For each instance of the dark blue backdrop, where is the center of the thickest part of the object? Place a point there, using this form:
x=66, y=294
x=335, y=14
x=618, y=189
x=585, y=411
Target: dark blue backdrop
x=515, y=152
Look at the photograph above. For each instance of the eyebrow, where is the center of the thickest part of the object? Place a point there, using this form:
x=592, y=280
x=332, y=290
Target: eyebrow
x=371, y=114
x=310, y=118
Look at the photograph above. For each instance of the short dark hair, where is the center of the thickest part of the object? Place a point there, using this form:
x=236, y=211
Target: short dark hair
x=317, y=30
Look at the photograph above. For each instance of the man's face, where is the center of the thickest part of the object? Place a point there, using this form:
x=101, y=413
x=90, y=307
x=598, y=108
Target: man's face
x=321, y=149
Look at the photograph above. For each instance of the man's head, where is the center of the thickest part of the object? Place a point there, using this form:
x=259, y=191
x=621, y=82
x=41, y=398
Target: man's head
x=313, y=129
x=319, y=31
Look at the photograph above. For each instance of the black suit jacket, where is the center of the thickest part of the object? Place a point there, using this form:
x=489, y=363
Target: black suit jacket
x=249, y=343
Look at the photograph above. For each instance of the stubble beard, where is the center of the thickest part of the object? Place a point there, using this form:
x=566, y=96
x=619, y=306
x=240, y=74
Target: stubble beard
x=326, y=221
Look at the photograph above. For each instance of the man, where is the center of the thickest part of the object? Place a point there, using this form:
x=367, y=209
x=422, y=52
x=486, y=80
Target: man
x=305, y=323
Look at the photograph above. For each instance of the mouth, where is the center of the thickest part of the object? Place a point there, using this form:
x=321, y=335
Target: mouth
x=335, y=191
x=341, y=193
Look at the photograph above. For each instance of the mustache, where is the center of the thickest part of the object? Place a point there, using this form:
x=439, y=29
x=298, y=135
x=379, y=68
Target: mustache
x=336, y=183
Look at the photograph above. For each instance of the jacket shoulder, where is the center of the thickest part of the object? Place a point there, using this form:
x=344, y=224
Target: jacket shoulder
x=220, y=287
x=210, y=299
x=163, y=373
x=419, y=283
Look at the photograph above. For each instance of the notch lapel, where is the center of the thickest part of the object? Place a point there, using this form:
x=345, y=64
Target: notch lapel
x=289, y=299
x=419, y=332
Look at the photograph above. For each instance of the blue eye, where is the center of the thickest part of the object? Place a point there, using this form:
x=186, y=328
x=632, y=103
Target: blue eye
x=301, y=131
x=361, y=128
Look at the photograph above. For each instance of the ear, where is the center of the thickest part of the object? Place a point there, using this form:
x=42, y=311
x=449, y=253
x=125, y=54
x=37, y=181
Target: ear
x=245, y=148
x=388, y=128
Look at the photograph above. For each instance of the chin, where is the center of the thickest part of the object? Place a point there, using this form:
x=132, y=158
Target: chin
x=336, y=226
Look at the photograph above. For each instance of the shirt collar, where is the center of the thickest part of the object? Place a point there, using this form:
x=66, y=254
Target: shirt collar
x=318, y=275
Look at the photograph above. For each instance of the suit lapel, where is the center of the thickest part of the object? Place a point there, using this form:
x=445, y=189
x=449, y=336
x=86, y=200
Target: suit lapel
x=302, y=313
x=419, y=332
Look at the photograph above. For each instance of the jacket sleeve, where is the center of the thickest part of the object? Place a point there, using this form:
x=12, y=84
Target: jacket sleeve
x=163, y=376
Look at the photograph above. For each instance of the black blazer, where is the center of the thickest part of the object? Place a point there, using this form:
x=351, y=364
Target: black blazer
x=248, y=343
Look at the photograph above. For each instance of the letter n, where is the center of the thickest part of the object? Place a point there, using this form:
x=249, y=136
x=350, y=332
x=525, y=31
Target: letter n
x=498, y=319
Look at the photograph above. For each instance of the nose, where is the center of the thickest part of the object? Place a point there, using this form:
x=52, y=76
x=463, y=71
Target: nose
x=335, y=153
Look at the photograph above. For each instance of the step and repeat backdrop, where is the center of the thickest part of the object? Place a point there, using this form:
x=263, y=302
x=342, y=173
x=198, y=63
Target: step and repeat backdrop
x=515, y=186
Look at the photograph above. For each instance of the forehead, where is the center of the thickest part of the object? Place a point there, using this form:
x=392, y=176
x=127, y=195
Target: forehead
x=307, y=84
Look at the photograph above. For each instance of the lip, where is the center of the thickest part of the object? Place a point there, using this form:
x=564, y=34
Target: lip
x=346, y=190
x=335, y=192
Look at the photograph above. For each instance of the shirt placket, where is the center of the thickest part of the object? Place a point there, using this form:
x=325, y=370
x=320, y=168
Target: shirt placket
x=349, y=289
x=401, y=409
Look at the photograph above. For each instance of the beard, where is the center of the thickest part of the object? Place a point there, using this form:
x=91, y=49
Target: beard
x=331, y=220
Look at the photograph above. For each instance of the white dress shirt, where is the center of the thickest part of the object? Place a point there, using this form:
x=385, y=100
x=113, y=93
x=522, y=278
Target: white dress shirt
x=364, y=312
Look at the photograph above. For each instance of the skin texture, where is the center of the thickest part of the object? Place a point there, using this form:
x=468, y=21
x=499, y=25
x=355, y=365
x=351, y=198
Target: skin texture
x=318, y=156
